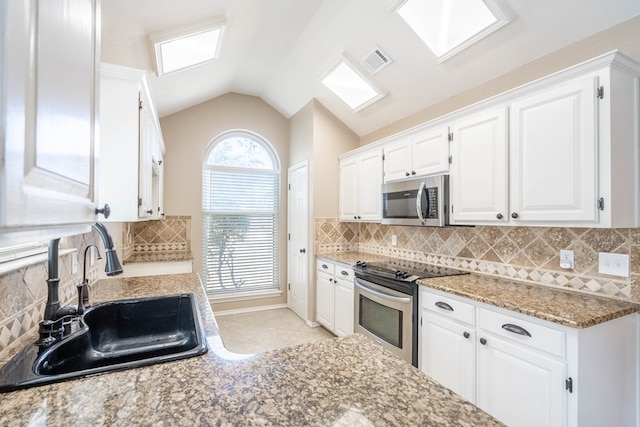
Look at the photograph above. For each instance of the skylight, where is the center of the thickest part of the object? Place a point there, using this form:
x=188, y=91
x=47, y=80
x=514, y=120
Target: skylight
x=450, y=26
x=186, y=48
x=351, y=86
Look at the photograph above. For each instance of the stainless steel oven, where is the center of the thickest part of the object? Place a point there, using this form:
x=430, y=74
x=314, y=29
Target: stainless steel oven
x=386, y=302
x=385, y=316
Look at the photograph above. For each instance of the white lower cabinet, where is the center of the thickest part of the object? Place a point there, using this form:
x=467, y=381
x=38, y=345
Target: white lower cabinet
x=334, y=297
x=529, y=372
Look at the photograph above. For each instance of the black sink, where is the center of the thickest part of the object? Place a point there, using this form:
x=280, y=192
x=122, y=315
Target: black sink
x=117, y=335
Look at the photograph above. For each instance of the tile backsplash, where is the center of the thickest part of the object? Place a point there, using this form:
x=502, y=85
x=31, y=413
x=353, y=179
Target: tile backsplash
x=23, y=292
x=525, y=253
x=170, y=234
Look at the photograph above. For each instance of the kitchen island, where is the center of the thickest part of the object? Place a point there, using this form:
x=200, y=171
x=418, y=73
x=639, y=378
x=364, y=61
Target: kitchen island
x=346, y=381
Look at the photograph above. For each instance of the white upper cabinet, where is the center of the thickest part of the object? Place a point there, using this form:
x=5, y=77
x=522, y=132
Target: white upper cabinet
x=132, y=149
x=554, y=154
x=361, y=186
x=571, y=156
x=48, y=98
x=419, y=153
x=478, y=180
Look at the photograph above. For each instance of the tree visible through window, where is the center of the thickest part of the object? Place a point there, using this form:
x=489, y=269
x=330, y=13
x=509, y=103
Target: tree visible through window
x=240, y=205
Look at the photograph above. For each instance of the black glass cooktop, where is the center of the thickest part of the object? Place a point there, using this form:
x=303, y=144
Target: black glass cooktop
x=404, y=271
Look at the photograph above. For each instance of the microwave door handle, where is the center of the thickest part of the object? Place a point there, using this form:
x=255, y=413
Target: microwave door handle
x=419, y=202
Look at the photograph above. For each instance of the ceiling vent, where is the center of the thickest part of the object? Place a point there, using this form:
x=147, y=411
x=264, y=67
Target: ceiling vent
x=376, y=60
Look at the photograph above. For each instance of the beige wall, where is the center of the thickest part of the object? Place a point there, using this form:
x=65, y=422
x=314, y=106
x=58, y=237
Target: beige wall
x=187, y=135
x=624, y=37
x=318, y=137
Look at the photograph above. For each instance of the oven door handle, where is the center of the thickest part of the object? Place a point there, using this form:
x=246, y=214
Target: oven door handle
x=384, y=295
x=419, y=202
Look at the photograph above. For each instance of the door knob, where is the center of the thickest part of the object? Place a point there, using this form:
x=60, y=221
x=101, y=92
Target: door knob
x=302, y=251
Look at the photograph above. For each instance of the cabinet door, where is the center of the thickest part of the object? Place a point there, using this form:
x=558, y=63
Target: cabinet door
x=325, y=296
x=431, y=151
x=49, y=113
x=518, y=386
x=397, y=160
x=145, y=167
x=349, y=189
x=447, y=354
x=343, y=308
x=370, y=186
x=478, y=179
x=554, y=154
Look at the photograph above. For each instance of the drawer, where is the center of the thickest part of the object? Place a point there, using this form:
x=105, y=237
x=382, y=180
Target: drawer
x=326, y=266
x=532, y=334
x=449, y=307
x=344, y=273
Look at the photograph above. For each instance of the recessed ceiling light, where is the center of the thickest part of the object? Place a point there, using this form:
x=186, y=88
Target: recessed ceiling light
x=350, y=85
x=450, y=26
x=186, y=47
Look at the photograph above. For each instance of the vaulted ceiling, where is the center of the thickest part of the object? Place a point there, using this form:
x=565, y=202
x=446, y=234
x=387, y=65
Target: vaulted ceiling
x=278, y=49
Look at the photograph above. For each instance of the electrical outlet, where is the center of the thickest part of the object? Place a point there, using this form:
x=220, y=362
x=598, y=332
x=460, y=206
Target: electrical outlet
x=613, y=264
x=566, y=259
x=394, y=240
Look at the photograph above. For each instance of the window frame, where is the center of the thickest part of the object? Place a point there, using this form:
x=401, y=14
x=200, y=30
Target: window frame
x=214, y=292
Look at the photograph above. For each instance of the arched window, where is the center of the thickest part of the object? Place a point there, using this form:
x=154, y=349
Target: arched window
x=240, y=210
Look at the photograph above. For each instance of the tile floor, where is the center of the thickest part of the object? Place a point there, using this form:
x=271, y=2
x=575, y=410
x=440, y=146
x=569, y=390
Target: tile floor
x=261, y=331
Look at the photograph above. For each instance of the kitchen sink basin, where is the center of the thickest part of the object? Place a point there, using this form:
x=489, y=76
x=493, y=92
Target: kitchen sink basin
x=117, y=335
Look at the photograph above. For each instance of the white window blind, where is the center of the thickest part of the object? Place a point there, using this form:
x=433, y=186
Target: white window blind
x=240, y=210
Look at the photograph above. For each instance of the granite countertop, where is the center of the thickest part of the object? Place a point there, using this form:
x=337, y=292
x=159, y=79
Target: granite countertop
x=347, y=381
x=166, y=256
x=568, y=308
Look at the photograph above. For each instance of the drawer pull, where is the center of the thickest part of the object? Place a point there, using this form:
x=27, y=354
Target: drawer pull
x=444, y=306
x=466, y=334
x=516, y=329
x=344, y=273
x=325, y=266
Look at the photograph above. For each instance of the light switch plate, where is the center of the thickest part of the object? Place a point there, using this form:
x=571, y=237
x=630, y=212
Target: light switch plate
x=613, y=264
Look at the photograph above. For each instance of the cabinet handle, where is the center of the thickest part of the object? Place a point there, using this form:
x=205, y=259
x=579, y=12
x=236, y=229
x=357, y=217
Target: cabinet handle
x=359, y=217
x=106, y=211
x=344, y=273
x=413, y=172
x=516, y=329
x=483, y=341
x=499, y=216
x=444, y=306
x=150, y=211
x=331, y=280
x=302, y=251
x=514, y=215
x=355, y=217
x=406, y=173
x=466, y=335
x=325, y=266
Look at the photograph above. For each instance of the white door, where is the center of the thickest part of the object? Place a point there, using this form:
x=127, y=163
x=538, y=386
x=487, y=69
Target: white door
x=297, y=249
x=553, y=145
x=447, y=354
x=479, y=171
x=518, y=386
x=370, y=186
x=397, y=160
x=431, y=151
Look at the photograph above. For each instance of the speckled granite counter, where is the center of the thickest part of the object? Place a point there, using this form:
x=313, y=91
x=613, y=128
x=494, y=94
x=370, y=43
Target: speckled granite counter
x=567, y=308
x=338, y=382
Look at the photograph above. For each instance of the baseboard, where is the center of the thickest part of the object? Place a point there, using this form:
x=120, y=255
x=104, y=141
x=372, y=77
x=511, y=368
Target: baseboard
x=249, y=309
x=312, y=324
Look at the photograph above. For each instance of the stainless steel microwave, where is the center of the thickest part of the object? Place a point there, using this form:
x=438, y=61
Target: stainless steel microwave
x=422, y=201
